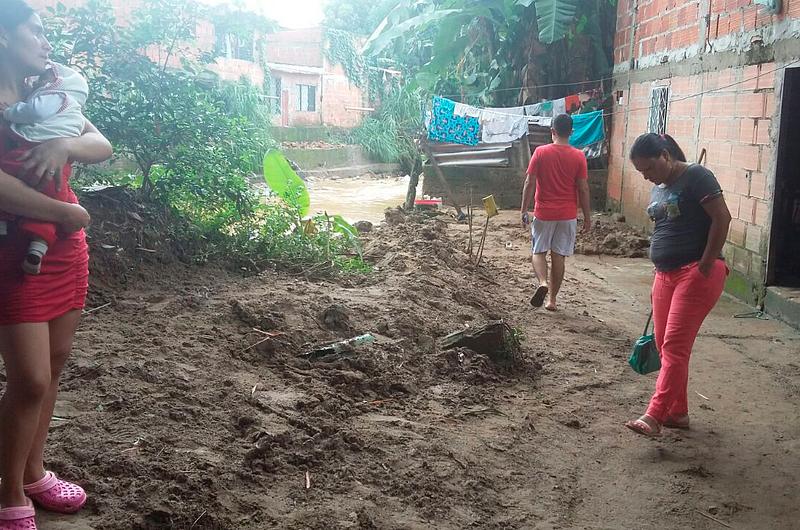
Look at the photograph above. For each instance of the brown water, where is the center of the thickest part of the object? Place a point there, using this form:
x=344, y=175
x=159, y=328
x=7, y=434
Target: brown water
x=361, y=198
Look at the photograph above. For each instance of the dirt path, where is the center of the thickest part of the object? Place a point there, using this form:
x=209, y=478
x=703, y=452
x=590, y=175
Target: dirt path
x=175, y=420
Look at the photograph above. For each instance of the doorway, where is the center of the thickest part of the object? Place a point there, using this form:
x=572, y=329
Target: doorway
x=784, y=256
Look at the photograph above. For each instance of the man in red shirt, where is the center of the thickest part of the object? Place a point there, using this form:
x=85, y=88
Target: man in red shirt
x=559, y=175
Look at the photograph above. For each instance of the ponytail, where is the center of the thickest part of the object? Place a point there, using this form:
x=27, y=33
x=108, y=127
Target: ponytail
x=651, y=145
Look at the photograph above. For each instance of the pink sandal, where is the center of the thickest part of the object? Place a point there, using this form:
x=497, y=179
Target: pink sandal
x=642, y=427
x=56, y=495
x=18, y=518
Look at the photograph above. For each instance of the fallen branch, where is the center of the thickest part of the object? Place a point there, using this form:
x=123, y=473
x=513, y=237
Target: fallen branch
x=726, y=525
x=198, y=519
x=89, y=311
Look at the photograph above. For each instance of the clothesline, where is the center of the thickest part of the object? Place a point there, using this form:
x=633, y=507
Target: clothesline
x=532, y=87
x=453, y=122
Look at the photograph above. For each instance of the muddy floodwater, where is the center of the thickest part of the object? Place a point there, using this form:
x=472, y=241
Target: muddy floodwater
x=361, y=198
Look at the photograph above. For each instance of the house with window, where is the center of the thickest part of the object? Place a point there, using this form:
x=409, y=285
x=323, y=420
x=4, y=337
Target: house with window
x=304, y=87
x=723, y=78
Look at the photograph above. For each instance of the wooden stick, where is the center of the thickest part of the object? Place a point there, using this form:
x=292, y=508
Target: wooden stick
x=483, y=242
x=726, y=525
x=198, y=519
x=87, y=312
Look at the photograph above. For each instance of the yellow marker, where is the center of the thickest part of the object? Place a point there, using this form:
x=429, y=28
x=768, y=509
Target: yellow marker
x=490, y=206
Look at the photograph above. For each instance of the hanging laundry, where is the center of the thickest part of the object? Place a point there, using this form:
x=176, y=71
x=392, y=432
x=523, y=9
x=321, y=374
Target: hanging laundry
x=573, y=103
x=541, y=121
x=587, y=129
x=595, y=150
x=516, y=111
x=533, y=110
x=559, y=107
x=462, y=109
x=446, y=127
x=499, y=127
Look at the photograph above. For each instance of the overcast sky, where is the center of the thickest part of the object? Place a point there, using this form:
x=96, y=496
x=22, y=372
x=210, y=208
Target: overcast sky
x=289, y=13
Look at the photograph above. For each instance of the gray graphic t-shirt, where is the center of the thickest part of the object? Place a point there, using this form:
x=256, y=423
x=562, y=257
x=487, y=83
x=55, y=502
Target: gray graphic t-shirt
x=682, y=225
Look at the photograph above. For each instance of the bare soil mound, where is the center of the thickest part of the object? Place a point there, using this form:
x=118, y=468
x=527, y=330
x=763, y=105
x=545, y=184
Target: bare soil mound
x=191, y=402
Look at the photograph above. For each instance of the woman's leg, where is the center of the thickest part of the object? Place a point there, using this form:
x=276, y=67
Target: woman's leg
x=26, y=353
x=661, y=300
x=693, y=298
x=62, y=333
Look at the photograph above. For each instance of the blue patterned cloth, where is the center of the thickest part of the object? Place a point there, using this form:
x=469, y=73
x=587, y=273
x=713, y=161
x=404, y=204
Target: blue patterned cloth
x=446, y=127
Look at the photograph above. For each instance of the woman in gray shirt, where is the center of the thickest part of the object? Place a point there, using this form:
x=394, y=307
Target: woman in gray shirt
x=691, y=226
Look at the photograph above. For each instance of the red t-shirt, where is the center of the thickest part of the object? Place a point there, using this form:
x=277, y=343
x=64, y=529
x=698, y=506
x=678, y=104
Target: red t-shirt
x=557, y=169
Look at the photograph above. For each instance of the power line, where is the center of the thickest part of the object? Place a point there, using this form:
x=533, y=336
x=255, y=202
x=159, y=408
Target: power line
x=711, y=90
x=532, y=87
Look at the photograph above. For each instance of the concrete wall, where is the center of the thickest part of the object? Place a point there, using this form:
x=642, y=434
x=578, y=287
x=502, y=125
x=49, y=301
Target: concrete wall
x=336, y=157
x=722, y=60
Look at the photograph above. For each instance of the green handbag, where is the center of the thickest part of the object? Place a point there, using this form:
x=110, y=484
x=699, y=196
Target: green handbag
x=644, y=357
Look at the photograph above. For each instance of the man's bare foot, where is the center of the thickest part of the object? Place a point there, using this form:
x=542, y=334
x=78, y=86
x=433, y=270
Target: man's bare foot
x=551, y=305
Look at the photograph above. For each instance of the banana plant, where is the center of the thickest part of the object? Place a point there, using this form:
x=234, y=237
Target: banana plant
x=284, y=182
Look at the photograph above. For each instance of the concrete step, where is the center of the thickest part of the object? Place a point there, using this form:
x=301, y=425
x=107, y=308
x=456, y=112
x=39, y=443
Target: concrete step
x=784, y=303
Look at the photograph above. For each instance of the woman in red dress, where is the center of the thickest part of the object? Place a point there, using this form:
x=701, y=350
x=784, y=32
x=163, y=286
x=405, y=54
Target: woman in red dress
x=38, y=313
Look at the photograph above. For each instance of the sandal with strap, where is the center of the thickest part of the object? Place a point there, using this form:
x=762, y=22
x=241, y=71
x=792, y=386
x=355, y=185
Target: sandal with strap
x=640, y=426
x=56, y=495
x=538, y=296
x=18, y=518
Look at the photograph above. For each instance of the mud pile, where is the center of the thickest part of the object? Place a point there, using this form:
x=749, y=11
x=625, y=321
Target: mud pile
x=191, y=403
x=612, y=238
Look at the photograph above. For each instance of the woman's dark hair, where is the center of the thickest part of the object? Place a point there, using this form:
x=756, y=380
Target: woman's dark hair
x=15, y=12
x=651, y=145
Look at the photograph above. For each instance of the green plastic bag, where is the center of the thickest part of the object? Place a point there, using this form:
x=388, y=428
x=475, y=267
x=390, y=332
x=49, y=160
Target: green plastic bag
x=644, y=357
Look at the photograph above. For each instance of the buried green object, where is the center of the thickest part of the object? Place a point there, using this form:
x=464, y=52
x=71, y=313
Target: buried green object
x=645, y=357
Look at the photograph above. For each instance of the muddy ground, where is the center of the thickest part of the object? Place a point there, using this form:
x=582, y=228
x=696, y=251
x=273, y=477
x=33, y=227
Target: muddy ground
x=188, y=402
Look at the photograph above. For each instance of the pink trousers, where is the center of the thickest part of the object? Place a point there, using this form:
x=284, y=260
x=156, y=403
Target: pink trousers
x=681, y=300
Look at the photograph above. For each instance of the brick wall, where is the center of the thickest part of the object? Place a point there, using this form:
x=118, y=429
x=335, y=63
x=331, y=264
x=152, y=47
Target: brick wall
x=302, y=47
x=664, y=26
x=735, y=126
x=723, y=99
x=341, y=98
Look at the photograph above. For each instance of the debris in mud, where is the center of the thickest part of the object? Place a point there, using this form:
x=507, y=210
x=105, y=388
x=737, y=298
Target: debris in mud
x=335, y=318
x=496, y=340
x=363, y=227
x=339, y=347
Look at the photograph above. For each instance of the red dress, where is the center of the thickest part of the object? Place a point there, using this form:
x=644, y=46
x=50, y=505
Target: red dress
x=64, y=279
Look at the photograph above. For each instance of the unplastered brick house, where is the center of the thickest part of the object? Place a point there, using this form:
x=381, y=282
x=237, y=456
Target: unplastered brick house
x=721, y=76
x=305, y=88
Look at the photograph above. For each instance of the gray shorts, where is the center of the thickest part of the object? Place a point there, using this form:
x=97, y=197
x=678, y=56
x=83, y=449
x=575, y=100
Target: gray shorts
x=555, y=236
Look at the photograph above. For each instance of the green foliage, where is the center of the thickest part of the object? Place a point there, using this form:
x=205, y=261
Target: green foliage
x=194, y=142
x=390, y=134
x=359, y=17
x=555, y=18
x=486, y=50
x=341, y=49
